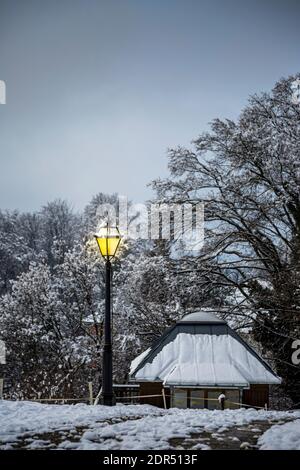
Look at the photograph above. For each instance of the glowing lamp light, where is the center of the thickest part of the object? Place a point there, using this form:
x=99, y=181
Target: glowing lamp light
x=108, y=239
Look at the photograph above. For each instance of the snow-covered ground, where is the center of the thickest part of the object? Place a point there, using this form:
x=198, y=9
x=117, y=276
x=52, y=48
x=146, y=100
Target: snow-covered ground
x=281, y=437
x=19, y=419
x=32, y=425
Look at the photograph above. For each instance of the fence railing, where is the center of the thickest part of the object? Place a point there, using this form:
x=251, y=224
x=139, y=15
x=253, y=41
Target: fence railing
x=127, y=393
x=130, y=394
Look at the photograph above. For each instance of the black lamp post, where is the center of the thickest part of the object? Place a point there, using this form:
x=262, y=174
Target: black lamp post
x=108, y=239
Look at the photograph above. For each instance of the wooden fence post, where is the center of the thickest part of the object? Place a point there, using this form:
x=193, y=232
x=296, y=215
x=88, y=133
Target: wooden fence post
x=1, y=388
x=91, y=392
x=164, y=398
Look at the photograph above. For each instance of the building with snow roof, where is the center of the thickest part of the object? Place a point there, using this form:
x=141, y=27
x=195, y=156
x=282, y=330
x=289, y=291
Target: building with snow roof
x=197, y=359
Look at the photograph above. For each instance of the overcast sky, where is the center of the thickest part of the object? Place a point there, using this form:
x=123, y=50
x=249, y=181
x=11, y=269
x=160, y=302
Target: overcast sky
x=97, y=90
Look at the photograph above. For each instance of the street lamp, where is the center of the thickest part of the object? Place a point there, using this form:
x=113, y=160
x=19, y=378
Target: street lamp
x=108, y=239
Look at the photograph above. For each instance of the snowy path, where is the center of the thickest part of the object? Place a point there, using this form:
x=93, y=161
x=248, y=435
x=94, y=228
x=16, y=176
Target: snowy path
x=35, y=426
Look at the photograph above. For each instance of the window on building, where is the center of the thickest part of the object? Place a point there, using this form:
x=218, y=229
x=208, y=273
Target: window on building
x=197, y=399
x=180, y=398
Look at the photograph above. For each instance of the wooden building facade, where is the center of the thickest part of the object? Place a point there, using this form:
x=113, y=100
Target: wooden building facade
x=196, y=360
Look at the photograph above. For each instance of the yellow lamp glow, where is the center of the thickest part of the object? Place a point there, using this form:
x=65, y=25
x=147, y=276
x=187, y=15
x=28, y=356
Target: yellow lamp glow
x=108, y=239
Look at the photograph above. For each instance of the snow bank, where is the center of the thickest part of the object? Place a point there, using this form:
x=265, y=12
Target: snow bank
x=23, y=418
x=281, y=437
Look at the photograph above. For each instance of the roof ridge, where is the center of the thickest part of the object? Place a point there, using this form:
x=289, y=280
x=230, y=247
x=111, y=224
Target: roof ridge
x=202, y=316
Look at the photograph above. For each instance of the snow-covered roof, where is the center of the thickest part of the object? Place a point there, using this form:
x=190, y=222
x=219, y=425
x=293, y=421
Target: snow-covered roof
x=202, y=316
x=138, y=360
x=202, y=350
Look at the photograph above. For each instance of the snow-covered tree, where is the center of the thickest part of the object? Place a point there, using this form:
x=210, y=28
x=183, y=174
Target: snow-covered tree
x=45, y=235
x=60, y=229
x=248, y=175
x=19, y=245
x=92, y=211
x=51, y=323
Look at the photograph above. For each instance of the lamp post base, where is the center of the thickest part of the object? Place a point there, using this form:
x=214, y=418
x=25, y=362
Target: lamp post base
x=108, y=399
